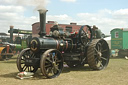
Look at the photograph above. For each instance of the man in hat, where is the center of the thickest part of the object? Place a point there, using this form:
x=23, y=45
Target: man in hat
x=96, y=33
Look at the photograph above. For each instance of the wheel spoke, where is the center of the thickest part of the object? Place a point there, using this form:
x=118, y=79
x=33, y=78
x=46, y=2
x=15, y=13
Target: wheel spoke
x=96, y=50
x=22, y=63
x=104, y=50
x=49, y=70
x=52, y=71
x=32, y=55
x=96, y=57
x=47, y=65
x=96, y=53
x=103, y=58
x=83, y=31
x=101, y=64
x=49, y=60
x=25, y=68
x=28, y=68
x=99, y=47
x=58, y=61
x=56, y=67
x=102, y=44
x=25, y=56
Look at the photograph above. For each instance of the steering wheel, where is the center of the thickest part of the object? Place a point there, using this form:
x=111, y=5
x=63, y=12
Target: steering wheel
x=85, y=35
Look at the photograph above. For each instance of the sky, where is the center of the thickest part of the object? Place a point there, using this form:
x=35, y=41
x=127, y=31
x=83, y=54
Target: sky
x=105, y=14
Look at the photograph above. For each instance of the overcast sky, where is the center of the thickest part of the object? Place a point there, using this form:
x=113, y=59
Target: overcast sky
x=105, y=14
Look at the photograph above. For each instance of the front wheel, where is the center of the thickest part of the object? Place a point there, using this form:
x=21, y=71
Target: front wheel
x=24, y=61
x=51, y=63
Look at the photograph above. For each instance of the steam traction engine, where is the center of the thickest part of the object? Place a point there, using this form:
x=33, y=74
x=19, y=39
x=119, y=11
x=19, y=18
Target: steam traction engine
x=48, y=52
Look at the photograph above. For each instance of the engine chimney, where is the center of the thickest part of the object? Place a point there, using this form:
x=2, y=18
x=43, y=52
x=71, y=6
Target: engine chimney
x=42, y=22
x=11, y=34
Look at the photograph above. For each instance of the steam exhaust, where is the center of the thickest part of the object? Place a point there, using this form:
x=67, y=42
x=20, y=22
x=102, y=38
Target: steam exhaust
x=42, y=22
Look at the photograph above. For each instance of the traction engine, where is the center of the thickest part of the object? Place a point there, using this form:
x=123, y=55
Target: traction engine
x=50, y=52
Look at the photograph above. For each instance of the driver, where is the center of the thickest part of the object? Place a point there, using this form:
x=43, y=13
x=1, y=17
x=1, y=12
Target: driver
x=96, y=33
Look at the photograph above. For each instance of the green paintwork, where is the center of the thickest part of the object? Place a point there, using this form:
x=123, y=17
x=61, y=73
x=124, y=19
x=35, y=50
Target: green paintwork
x=21, y=46
x=119, y=38
x=18, y=47
x=24, y=44
x=20, y=31
x=125, y=39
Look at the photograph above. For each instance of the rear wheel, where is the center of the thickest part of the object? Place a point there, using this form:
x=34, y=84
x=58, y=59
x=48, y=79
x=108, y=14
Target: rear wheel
x=98, y=54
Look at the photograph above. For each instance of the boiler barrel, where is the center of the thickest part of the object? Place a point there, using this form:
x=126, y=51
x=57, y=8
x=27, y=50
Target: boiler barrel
x=50, y=43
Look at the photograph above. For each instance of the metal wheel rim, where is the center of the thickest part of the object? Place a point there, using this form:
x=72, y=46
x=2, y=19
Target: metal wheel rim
x=21, y=65
x=51, y=63
x=100, y=56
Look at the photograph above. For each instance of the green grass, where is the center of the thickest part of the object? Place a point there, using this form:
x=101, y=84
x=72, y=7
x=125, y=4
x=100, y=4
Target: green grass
x=115, y=74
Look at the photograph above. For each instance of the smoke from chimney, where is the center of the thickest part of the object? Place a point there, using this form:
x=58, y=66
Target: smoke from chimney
x=38, y=4
x=41, y=4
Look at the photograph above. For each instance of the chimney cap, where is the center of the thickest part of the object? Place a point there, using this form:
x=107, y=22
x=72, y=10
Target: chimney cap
x=11, y=27
x=42, y=11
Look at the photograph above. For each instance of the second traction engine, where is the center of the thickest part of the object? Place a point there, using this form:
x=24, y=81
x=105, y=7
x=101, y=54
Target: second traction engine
x=49, y=52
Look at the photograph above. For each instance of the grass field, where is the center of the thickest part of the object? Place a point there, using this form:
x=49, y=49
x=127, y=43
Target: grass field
x=115, y=74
